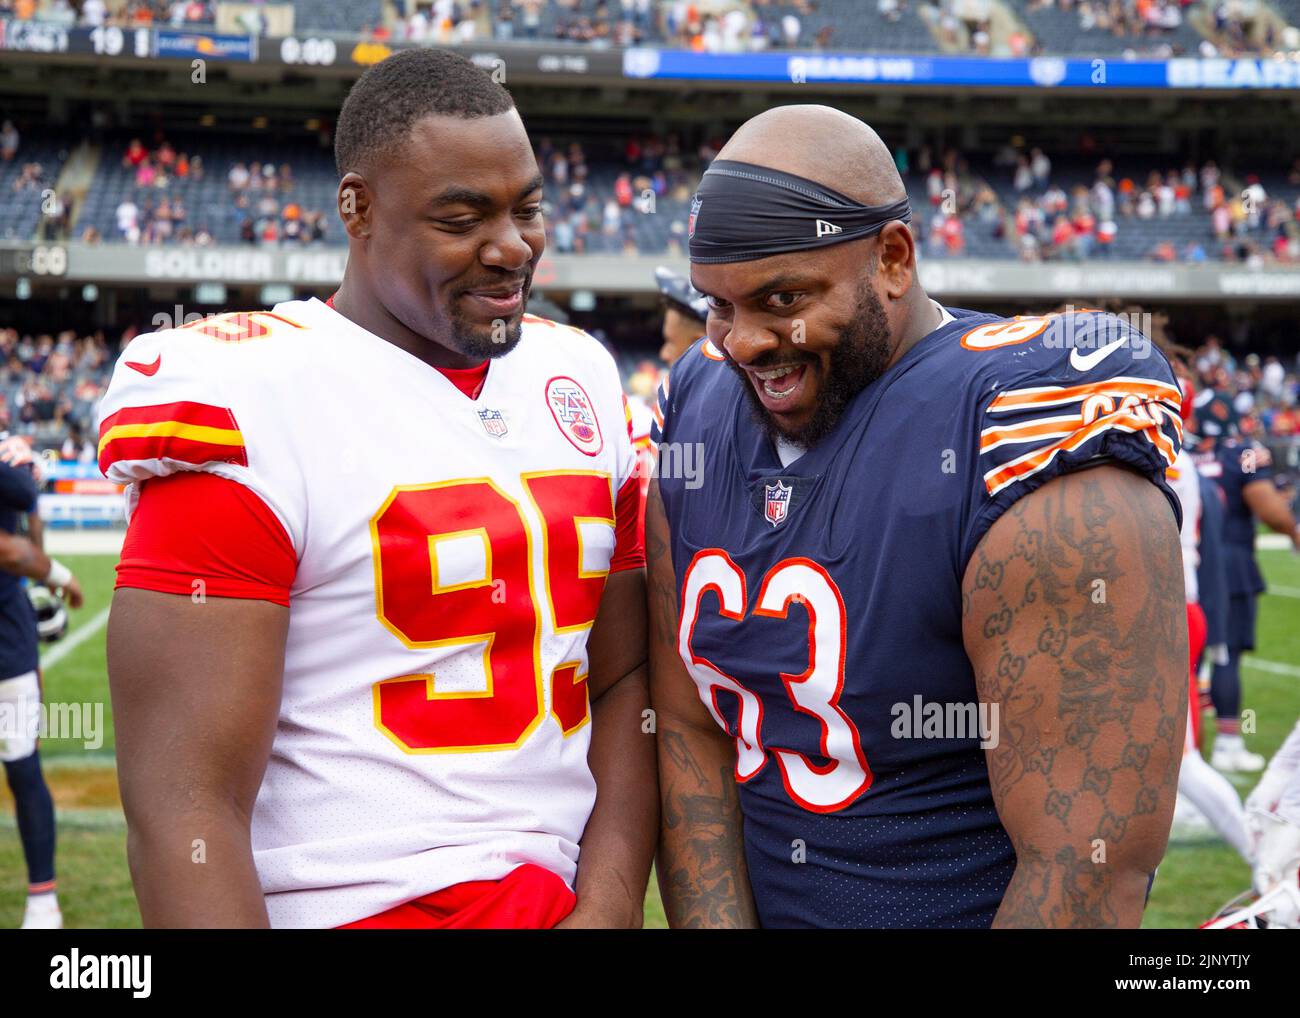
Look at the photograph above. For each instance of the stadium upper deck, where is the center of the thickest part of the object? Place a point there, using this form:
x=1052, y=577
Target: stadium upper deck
x=1109, y=28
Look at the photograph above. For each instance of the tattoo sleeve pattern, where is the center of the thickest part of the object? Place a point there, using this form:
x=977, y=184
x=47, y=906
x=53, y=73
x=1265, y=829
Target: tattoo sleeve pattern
x=702, y=874
x=1074, y=618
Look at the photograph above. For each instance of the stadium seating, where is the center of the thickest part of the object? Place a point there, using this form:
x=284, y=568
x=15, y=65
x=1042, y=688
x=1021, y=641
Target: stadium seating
x=851, y=27
x=1057, y=32
x=20, y=211
x=208, y=201
x=331, y=16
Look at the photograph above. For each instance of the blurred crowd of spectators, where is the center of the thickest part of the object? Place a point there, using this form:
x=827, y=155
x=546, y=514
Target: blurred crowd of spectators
x=1050, y=220
x=649, y=169
x=123, y=13
x=765, y=25
x=1264, y=391
x=49, y=386
x=261, y=196
x=1018, y=205
x=167, y=219
x=1149, y=27
x=1149, y=20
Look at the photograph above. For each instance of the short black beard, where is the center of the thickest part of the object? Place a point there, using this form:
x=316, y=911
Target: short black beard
x=470, y=339
x=857, y=360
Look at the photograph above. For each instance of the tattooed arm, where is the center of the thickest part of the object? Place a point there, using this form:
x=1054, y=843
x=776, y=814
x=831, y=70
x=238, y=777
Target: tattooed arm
x=1074, y=621
x=619, y=841
x=702, y=874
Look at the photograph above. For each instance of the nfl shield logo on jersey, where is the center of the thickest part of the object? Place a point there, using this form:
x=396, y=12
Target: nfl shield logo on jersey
x=777, y=504
x=571, y=407
x=493, y=423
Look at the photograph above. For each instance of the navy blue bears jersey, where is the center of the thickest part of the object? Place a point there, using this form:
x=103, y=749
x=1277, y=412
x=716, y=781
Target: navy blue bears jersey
x=818, y=598
x=1235, y=463
x=18, y=653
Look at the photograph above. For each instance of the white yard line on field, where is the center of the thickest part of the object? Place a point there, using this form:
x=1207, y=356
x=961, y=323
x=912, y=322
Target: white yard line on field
x=1284, y=591
x=1276, y=667
x=74, y=640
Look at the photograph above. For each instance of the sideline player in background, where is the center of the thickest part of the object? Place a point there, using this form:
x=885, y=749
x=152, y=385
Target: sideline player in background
x=1273, y=817
x=378, y=643
x=1210, y=795
x=1243, y=470
x=685, y=314
x=906, y=510
x=20, y=682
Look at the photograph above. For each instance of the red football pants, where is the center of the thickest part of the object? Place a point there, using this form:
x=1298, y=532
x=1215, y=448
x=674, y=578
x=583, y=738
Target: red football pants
x=527, y=898
x=1196, y=630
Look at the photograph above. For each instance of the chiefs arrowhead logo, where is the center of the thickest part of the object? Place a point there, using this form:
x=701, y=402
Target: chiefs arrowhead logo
x=571, y=407
x=146, y=369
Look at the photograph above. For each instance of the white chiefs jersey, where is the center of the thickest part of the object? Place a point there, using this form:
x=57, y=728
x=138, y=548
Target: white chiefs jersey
x=1186, y=484
x=451, y=556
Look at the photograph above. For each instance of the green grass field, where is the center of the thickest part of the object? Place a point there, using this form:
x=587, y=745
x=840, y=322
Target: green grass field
x=95, y=888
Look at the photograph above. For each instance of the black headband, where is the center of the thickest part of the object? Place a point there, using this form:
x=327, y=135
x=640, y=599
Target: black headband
x=743, y=211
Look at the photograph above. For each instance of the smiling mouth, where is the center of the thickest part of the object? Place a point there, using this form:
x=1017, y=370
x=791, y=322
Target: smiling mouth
x=500, y=299
x=778, y=383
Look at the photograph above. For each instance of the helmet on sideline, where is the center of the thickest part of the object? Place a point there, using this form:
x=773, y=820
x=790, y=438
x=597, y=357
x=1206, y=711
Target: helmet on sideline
x=676, y=289
x=51, y=615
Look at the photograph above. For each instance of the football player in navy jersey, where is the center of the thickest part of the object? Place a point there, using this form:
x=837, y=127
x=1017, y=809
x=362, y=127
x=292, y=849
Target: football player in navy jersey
x=20, y=687
x=1243, y=470
x=920, y=647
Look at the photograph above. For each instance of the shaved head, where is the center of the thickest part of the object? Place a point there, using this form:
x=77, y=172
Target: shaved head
x=807, y=330
x=823, y=144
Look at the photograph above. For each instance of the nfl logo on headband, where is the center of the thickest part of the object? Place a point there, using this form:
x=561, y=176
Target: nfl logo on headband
x=696, y=202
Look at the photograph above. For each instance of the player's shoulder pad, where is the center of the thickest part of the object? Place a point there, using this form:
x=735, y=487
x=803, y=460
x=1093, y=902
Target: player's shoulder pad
x=575, y=342
x=170, y=397
x=588, y=358
x=701, y=361
x=558, y=332
x=1068, y=348
x=1057, y=390
x=1092, y=358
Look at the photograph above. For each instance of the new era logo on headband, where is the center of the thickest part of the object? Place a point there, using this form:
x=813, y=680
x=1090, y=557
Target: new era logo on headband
x=757, y=211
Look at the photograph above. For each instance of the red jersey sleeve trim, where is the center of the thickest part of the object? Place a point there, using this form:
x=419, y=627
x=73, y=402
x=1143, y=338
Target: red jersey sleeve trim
x=197, y=532
x=629, y=526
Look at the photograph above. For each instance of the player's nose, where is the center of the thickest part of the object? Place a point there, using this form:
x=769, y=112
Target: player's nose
x=509, y=249
x=747, y=341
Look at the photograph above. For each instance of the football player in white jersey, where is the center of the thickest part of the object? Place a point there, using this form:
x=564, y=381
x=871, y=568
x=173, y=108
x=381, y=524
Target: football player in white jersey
x=377, y=654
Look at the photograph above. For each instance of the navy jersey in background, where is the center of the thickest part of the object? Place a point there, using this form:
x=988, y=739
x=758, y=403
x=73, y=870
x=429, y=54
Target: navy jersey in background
x=1212, y=569
x=18, y=653
x=1236, y=463
x=815, y=597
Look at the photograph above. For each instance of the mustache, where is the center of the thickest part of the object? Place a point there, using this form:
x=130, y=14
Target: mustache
x=524, y=281
x=778, y=358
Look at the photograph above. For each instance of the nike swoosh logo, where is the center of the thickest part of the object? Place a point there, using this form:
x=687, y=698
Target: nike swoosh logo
x=146, y=369
x=1086, y=362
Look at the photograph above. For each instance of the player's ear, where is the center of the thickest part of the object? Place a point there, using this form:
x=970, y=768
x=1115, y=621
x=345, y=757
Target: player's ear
x=897, y=251
x=354, y=205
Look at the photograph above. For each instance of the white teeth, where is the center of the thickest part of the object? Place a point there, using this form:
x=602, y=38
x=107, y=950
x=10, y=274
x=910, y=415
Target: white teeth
x=772, y=374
